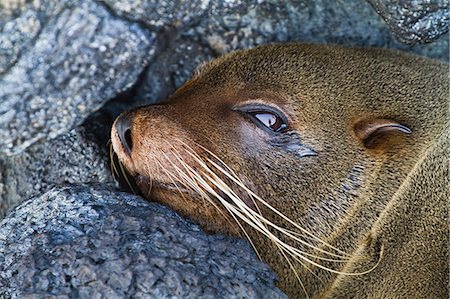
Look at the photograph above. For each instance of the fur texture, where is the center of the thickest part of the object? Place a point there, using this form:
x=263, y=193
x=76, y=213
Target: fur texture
x=385, y=203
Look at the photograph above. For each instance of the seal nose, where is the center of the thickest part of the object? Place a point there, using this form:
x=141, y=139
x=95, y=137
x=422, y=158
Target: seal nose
x=123, y=129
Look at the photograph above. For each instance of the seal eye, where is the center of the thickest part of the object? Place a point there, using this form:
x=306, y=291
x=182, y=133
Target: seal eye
x=269, y=119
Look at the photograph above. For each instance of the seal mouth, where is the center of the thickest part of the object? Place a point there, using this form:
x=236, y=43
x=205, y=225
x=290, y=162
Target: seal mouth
x=120, y=173
x=150, y=188
x=140, y=184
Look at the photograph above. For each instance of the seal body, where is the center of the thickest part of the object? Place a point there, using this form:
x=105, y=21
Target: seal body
x=319, y=155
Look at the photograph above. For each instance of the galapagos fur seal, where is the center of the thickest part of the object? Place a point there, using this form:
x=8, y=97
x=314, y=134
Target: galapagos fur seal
x=330, y=160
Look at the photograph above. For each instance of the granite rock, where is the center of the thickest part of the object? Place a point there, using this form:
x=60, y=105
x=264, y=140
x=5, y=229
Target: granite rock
x=73, y=157
x=415, y=21
x=80, y=58
x=158, y=15
x=20, y=25
x=89, y=242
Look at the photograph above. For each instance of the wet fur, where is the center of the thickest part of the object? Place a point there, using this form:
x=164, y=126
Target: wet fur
x=379, y=204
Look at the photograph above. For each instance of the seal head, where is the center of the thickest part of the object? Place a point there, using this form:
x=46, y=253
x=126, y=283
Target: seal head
x=299, y=148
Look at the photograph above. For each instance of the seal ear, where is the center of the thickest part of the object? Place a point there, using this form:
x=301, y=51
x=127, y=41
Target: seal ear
x=376, y=132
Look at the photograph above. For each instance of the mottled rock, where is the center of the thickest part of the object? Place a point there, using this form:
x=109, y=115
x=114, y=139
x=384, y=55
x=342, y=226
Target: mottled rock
x=20, y=24
x=80, y=242
x=159, y=15
x=173, y=67
x=69, y=158
x=353, y=23
x=415, y=21
x=81, y=58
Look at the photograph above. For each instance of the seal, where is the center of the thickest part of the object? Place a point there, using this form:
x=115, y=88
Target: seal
x=329, y=160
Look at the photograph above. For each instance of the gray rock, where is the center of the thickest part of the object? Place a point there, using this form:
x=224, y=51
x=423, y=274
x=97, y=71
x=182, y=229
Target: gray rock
x=415, y=21
x=82, y=57
x=20, y=25
x=159, y=15
x=353, y=23
x=69, y=158
x=80, y=242
x=173, y=67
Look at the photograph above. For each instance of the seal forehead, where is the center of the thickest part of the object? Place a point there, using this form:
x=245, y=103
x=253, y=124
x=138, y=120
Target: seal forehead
x=265, y=67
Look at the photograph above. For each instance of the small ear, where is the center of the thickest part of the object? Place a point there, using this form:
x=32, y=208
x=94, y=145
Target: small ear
x=374, y=132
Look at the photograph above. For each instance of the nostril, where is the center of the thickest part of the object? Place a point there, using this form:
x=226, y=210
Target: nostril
x=123, y=128
x=128, y=139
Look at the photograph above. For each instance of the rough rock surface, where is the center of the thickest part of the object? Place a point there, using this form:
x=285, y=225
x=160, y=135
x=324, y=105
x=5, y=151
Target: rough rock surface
x=80, y=242
x=79, y=59
x=415, y=21
x=69, y=158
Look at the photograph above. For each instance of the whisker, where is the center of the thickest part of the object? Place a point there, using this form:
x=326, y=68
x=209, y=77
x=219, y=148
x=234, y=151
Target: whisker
x=205, y=198
x=257, y=226
x=172, y=178
x=261, y=218
x=124, y=174
x=198, y=177
x=275, y=210
x=120, y=172
x=308, y=236
x=114, y=170
x=197, y=189
x=291, y=266
x=205, y=182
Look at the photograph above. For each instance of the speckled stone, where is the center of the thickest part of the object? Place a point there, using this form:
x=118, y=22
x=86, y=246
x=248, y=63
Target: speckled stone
x=81, y=58
x=415, y=21
x=158, y=15
x=87, y=242
x=20, y=24
x=68, y=159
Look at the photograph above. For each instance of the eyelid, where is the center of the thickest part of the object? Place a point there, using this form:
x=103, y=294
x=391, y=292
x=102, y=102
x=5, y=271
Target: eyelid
x=248, y=111
x=251, y=108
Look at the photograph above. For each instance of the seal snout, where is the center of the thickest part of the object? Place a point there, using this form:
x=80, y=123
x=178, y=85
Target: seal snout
x=123, y=128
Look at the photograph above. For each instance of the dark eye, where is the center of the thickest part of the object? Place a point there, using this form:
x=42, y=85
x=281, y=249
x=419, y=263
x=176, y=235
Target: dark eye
x=269, y=119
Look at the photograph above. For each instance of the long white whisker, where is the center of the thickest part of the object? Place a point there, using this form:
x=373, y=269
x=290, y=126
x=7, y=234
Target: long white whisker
x=236, y=179
x=261, y=218
x=259, y=227
x=206, y=182
x=197, y=188
x=275, y=210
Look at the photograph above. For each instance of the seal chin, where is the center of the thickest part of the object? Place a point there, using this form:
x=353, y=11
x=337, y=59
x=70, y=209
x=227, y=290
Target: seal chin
x=152, y=189
x=144, y=183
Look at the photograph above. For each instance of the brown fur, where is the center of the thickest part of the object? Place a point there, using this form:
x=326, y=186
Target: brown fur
x=367, y=196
